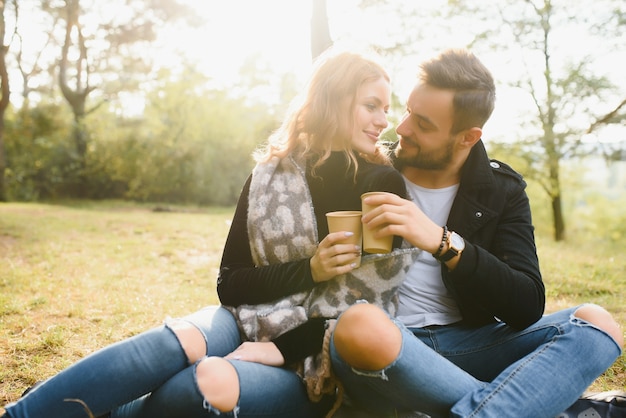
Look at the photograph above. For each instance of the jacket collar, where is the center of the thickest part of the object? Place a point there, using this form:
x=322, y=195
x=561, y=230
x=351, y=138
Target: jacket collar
x=476, y=171
x=472, y=206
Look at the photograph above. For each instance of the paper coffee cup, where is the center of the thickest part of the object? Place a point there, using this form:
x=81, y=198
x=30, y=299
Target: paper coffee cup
x=372, y=244
x=350, y=221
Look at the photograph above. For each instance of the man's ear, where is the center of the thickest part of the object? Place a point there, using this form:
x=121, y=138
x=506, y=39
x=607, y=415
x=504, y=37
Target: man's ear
x=471, y=136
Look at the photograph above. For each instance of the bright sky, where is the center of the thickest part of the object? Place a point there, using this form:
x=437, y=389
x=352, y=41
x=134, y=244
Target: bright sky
x=279, y=30
x=234, y=29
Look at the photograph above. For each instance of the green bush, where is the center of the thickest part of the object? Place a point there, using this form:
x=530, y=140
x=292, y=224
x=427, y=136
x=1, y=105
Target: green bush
x=40, y=162
x=190, y=146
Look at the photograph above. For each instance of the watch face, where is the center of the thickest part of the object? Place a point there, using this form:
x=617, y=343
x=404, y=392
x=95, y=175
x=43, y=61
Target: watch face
x=456, y=241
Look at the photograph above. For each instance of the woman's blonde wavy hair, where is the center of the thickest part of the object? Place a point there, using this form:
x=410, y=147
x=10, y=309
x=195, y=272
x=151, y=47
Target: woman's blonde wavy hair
x=314, y=118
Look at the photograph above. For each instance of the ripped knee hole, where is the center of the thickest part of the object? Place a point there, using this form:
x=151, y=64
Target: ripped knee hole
x=190, y=338
x=218, y=382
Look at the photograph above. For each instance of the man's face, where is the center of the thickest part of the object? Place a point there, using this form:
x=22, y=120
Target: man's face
x=425, y=139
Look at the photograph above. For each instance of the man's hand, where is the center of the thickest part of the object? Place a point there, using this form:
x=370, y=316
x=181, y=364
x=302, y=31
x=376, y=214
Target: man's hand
x=333, y=257
x=402, y=217
x=258, y=352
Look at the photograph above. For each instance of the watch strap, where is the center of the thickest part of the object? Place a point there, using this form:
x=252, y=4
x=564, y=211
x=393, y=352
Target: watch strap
x=450, y=253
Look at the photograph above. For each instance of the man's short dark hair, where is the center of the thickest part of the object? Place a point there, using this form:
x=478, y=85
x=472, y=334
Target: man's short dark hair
x=474, y=89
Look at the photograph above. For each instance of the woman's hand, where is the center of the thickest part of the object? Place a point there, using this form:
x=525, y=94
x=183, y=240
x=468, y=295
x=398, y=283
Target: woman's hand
x=333, y=257
x=258, y=352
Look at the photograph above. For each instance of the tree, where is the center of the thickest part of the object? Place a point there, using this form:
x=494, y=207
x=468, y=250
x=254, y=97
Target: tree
x=105, y=55
x=320, y=33
x=32, y=65
x=564, y=88
x=76, y=96
x=5, y=92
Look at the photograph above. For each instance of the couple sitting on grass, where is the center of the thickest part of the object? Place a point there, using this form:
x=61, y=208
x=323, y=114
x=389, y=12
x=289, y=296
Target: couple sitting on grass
x=450, y=323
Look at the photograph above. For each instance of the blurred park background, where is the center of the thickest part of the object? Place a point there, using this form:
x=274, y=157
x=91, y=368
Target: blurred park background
x=110, y=110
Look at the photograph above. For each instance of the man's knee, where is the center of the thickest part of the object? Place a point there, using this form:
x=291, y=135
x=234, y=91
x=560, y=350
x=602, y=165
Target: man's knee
x=602, y=319
x=366, y=338
x=218, y=382
x=191, y=339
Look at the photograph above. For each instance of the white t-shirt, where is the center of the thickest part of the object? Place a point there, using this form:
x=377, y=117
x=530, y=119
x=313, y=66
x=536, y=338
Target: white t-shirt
x=424, y=299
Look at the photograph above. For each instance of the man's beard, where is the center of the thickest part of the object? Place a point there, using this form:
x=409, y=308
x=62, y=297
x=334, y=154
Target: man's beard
x=433, y=160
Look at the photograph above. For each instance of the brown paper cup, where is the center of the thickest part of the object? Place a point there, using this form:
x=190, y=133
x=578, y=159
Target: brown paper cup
x=371, y=244
x=347, y=220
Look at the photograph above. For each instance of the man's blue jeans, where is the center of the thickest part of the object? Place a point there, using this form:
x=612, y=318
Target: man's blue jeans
x=490, y=371
x=148, y=376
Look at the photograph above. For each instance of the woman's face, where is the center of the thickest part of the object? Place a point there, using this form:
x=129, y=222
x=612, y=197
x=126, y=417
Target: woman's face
x=370, y=115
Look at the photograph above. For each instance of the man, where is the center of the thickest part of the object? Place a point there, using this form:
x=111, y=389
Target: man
x=470, y=338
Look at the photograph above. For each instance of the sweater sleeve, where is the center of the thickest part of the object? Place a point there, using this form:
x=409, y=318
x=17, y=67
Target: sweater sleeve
x=241, y=282
x=388, y=179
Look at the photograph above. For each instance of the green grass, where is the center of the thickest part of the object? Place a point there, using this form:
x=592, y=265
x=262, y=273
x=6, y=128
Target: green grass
x=75, y=277
x=588, y=270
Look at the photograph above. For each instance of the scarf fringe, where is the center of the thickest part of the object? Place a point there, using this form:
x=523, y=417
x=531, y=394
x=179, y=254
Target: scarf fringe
x=324, y=381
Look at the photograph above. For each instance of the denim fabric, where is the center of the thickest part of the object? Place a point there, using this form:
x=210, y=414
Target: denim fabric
x=265, y=392
x=491, y=371
x=148, y=375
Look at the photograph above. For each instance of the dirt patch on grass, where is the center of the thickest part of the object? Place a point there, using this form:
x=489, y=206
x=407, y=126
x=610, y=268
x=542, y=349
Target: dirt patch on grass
x=7, y=241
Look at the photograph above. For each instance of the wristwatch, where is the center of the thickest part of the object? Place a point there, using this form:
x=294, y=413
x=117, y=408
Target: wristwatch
x=456, y=244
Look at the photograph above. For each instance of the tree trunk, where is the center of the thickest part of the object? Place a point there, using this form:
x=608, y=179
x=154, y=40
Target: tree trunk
x=77, y=96
x=4, y=102
x=3, y=164
x=559, y=222
x=556, y=196
x=320, y=34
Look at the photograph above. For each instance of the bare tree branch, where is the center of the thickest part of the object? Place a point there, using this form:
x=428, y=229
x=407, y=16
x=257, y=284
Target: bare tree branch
x=606, y=118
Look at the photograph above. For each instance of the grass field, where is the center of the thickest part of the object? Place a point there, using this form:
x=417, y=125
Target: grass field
x=78, y=276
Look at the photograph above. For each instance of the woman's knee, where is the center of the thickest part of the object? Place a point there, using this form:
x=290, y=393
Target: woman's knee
x=218, y=382
x=366, y=338
x=602, y=319
x=191, y=339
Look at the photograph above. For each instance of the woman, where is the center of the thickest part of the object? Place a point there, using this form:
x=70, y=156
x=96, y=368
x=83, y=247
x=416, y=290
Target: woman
x=200, y=366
